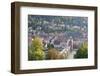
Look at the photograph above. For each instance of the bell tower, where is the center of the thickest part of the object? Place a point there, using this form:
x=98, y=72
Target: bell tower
x=70, y=43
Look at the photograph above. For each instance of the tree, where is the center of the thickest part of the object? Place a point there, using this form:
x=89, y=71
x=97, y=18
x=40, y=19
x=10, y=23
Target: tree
x=82, y=52
x=36, y=50
x=54, y=54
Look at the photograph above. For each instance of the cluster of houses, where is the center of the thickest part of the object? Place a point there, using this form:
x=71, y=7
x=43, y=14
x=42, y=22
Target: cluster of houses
x=59, y=40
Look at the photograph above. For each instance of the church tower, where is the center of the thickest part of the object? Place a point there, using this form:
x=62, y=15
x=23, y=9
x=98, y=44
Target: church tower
x=70, y=43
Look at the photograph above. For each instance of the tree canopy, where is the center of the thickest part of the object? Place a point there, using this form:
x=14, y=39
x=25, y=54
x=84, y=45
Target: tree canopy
x=36, y=50
x=82, y=52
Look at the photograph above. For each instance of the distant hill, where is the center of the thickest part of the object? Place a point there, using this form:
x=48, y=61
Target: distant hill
x=69, y=25
x=41, y=20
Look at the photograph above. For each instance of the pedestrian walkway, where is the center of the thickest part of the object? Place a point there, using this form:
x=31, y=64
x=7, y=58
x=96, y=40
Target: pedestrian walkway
x=71, y=55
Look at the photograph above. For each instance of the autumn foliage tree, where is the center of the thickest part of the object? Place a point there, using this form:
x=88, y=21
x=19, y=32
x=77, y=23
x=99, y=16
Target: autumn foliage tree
x=54, y=54
x=36, y=50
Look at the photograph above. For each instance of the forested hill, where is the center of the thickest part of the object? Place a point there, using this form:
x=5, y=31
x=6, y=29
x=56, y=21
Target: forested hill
x=41, y=20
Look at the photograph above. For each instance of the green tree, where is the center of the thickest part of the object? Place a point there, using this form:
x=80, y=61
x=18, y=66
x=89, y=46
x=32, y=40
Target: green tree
x=36, y=50
x=82, y=52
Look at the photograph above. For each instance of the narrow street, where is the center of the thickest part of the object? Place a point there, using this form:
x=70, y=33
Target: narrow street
x=71, y=55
